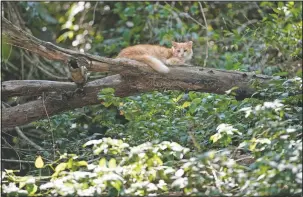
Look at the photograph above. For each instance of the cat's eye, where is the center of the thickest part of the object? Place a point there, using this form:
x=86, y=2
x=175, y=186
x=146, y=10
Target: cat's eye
x=185, y=50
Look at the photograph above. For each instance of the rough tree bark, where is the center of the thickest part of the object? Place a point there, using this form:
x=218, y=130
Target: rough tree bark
x=130, y=77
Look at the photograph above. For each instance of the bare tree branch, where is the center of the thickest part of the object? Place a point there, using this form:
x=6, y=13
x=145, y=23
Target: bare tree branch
x=17, y=161
x=205, y=22
x=30, y=142
x=17, y=37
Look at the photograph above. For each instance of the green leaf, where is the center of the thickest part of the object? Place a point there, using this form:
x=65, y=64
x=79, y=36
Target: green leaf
x=22, y=184
x=231, y=91
x=186, y=104
x=192, y=95
x=39, y=162
x=70, y=163
x=252, y=146
x=129, y=11
x=64, y=36
x=178, y=98
x=281, y=74
x=117, y=185
x=7, y=50
x=112, y=163
x=215, y=137
x=102, y=162
x=31, y=189
x=107, y=91
x=61, y=167
x=81, y=163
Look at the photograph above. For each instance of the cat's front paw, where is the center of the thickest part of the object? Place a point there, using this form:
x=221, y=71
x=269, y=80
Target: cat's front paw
x=175, y=62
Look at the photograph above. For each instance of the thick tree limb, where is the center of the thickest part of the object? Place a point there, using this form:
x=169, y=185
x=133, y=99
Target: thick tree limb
x=34, y=87
x=124, y=86
x=134, y=77
x=35, y=110
x=198, y=79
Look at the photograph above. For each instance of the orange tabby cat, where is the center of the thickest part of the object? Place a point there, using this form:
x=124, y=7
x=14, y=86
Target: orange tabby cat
x=157, y=56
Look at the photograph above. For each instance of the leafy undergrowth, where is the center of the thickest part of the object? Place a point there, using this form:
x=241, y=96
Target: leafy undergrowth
x=151, y=169
x=206, y=145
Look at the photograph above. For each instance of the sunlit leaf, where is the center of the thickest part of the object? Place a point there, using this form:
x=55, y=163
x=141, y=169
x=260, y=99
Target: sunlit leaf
x=112, y=163
x=39, y=162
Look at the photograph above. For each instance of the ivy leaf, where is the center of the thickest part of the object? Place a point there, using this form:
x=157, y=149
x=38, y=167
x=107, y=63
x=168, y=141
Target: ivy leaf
x=107, y=91
x=39, y=162
x=231, y=91
x=179, y=173
x=112, y=163
x=81, y=163
x=117, y=185
x=186, y=104
x=102, y=162
x=61, y=167
x=215, y=137
x=31, y=189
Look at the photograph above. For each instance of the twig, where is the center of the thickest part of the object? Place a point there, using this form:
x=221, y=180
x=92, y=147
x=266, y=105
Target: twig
x=11, y=146
x=248, y=157
x=194, y=140
x=50, y=126
x=17, y=161
x=40, y=66
x=183, y=14
x=190, y=17
x=22, y=64
x=14, y=150
x=21, y=149
x=215, y=177
x=196, y=144
x=30, y=142
x=43, y=99
x=206, y=55
x=175, y=14
x=11, y=65
x=95, y=12
x=244, y=25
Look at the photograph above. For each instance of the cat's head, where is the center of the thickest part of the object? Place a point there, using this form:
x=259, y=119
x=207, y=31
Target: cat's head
x=183, y=49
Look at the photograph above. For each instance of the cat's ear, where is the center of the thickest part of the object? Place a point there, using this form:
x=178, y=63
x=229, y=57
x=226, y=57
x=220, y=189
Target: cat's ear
x=190, y=43
x=174, y=44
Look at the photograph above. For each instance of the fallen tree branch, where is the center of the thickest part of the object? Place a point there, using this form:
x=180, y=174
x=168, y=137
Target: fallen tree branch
x=179, y=79
x=34, y=87
x=34, y=110
x=134, y=77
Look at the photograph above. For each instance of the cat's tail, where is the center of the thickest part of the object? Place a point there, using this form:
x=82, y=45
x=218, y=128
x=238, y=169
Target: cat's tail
x=153, y=62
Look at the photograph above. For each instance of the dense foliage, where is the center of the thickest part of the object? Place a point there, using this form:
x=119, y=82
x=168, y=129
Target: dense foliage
x=170, y=142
